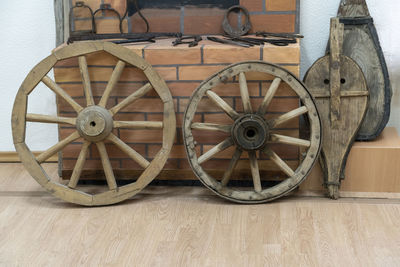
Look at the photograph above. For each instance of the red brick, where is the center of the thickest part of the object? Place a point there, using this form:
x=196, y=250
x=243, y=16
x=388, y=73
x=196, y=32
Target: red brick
x=134, y=74
x=160, y=20
x=173, y=55
x=281, y=5
x=289, y=54
x=274, y=23
x=167, y=73
x=141, y=136
x=203, y=21
x=197, y=73
x=253, y=5
x=220, y=54
x=144, y=105
x=182, y=89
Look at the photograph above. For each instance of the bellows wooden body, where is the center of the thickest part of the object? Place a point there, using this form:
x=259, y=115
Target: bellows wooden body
x=339, y=87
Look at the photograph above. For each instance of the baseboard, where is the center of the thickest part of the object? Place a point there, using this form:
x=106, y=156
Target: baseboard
x=12, y=156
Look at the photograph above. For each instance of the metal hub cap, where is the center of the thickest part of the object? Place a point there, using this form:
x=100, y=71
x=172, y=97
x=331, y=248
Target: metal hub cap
x=94, y=123
x=250, y=132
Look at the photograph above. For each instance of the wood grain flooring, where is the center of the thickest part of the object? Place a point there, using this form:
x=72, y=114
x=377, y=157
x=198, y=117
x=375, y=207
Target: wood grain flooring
x=182, y=226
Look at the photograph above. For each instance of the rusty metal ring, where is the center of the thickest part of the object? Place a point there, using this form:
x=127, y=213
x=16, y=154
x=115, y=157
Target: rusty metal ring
x=243, y=29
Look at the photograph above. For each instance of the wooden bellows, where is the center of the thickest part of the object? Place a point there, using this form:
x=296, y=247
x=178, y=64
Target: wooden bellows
x=339, y=87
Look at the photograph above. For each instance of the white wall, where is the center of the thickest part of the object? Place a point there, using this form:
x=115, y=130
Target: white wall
x=28, y=35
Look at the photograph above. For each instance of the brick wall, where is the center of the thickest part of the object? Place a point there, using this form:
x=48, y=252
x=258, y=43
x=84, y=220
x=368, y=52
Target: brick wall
x=267, y=15
x=183, y=69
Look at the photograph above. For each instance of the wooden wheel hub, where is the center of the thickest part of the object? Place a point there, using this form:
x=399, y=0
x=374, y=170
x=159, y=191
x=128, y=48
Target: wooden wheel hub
x=94, y=123
x=250, y=132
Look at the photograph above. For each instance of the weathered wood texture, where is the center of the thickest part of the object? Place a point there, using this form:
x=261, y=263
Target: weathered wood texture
x=189, y=226
x=341, y=115
x=372, y=167
x=183, y=69
x=254, y=134
x=269, y=15
x=93, y=124
x=361, y=43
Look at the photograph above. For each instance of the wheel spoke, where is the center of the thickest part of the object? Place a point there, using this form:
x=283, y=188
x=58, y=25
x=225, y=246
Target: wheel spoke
x=108, y=171
x=215, y=150
x=49, y=119
x=288, y=116
x=57, y=147
x=289, y=140
x=60, y=92
x=232, y=164
x=279, y=162
x=80, y=162
x=116, y=74
x=244, y=92
x=269, y=96
x=83, y=67
x=133, y=97
x=129, y=151
x=139, y=125
x=255, y=172
x=211, y=127
x=222, y=104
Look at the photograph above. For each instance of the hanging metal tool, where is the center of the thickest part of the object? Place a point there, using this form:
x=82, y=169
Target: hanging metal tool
x=127, y=36
x=261, y=41
x=242, y=29
x=227, y=41
x=72, y=31
x=279, y=35
x=107, y=7
x=191, y=40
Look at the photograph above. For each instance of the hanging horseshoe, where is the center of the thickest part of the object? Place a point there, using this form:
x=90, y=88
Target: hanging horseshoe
x=243, y=29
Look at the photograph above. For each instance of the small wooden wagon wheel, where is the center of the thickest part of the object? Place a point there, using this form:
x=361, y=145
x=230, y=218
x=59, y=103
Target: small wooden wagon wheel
x=94, y=124
x=253, y=132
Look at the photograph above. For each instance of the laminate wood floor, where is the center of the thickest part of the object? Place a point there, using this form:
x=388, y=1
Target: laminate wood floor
x=189, y=226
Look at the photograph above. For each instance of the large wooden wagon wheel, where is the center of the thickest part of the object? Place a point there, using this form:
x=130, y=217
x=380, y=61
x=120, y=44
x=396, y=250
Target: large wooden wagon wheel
x=94, y=123
x=251, y=131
